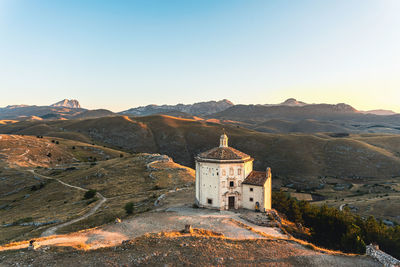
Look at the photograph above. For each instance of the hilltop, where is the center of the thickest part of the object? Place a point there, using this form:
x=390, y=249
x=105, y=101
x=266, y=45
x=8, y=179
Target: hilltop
x=169, y=248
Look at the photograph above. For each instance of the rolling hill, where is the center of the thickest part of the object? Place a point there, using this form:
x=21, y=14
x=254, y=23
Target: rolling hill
x=295, y=116
x=30, y=203
x=290, y=116
x=296, y=156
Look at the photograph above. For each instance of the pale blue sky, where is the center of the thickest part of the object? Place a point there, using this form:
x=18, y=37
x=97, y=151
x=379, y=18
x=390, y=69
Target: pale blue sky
x=122, y=54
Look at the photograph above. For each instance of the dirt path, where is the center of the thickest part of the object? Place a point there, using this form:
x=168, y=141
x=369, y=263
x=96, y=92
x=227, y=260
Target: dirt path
x=168, y=219
x=52, y=230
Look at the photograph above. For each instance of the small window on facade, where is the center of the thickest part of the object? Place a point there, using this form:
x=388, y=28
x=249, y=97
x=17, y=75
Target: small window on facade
x=251, y=189
x=217, y=173
x=251, y=199
x=223, y=172
x=239, y=171
x=231, y=171
x=231, y=184
x=209, y=201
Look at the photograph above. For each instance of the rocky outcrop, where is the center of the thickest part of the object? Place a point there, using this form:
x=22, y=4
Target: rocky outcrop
x=68, y=103
x=382, y=257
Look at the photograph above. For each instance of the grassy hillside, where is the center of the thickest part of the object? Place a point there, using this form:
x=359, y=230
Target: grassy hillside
x=26, y=198
x=302, y=126
x=34, y=151
x=295, y=156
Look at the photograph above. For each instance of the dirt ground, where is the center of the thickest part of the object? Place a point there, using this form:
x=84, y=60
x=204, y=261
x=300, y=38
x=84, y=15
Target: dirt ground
x=175, y=249
x=169, y=217
x=152, y=239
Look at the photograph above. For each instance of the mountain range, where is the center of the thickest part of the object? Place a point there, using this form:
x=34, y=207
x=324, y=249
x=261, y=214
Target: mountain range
x=289, y=116
x=196, y=109
x=64, y=109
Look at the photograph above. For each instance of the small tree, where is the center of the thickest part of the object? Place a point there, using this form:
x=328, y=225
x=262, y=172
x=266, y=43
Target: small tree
x=129, y=208
x=90, y=193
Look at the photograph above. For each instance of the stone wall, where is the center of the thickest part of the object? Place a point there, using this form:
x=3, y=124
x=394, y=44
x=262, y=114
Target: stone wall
x=382, y=257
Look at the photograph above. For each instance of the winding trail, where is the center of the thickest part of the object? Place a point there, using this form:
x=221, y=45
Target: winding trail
x=52, y=230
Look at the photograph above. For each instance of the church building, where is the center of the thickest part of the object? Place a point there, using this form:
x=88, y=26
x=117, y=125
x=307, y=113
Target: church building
x=225, y=180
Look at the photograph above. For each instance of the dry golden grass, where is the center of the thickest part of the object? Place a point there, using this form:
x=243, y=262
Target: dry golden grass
x=7, y=121
x=121, y=179
x=198, y=249
x=293, y=156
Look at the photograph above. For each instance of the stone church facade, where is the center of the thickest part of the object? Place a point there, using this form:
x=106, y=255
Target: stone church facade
x=225, y=180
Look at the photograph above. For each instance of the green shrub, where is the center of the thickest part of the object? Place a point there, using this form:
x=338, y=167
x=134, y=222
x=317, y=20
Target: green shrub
x=156, y=187
x=129, y=208
x=90, y=194
x=340, y=230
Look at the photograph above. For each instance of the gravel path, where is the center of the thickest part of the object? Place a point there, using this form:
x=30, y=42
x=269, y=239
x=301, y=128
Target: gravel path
x=52, y=230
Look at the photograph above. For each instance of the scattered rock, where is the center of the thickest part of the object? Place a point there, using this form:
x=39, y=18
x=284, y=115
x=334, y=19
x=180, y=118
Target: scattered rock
x=188, y=229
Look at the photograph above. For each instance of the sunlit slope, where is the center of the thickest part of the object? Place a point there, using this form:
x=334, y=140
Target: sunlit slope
x=27, y=198
x=290, y=155
x=37, y=151
x=302, y=126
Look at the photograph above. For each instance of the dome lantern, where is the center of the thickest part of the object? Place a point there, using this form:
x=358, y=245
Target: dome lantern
x=223, y=141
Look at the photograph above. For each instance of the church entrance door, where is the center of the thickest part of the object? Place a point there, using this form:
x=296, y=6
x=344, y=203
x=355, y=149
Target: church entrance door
x=231, y=202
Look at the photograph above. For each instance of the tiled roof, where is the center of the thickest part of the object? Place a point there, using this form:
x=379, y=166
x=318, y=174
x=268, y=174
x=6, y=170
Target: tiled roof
x=224, y=153
x=256, y=178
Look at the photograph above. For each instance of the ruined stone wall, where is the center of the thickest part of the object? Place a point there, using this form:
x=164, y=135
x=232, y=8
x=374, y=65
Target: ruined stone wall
x=382, y=257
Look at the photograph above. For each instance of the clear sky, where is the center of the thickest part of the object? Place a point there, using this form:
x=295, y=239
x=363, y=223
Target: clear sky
x=121, y=54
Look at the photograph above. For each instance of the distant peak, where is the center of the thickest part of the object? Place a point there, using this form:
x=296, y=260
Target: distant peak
x=343, y=107
x=293, y=102
x=226, y=101
x=68, y=103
